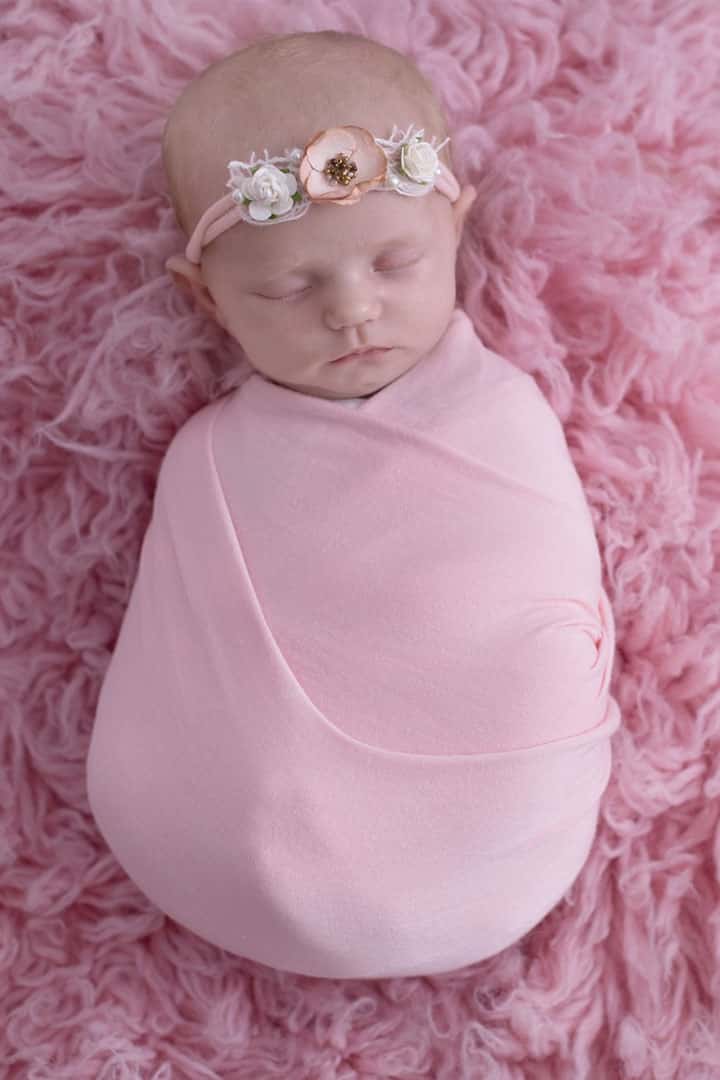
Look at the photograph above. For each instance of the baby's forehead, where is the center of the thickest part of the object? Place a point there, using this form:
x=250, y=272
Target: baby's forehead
x=380, y=224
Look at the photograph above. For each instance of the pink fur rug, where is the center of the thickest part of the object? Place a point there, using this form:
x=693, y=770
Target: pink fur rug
x=592, y=260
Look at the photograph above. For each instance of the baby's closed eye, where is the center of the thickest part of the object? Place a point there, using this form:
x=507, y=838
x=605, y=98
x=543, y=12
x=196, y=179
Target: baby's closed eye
x=386, y=265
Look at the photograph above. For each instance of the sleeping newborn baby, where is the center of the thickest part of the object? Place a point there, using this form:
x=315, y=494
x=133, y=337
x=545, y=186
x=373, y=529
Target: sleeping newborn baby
x=357, y=721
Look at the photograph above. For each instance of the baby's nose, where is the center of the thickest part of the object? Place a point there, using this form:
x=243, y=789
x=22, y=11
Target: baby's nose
x=351, y=304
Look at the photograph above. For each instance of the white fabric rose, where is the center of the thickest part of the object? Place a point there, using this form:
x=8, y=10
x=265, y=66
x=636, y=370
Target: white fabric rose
x=269, y=191
x=418, y=160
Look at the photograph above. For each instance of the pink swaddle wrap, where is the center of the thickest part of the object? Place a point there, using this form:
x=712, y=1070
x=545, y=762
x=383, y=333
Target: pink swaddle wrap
x=357, y=721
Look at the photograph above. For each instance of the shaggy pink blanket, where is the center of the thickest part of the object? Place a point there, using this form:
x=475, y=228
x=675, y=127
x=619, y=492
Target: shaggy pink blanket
x=591, y=260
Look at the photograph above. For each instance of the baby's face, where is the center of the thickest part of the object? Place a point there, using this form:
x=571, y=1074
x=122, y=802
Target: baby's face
x=300, y=294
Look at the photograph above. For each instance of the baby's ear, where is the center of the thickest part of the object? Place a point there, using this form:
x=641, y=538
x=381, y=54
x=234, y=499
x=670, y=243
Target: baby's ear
x=182, y=271
x=461, y=207
x=188, y=276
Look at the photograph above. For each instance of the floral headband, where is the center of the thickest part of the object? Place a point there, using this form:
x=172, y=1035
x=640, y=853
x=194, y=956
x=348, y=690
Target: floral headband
x=338, y=165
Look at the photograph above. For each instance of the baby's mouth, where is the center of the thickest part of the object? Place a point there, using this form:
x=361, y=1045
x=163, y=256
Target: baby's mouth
x=368, y=353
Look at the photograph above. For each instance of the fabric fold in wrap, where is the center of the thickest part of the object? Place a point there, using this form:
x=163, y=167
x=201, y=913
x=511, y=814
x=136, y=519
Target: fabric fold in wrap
x=357, y=721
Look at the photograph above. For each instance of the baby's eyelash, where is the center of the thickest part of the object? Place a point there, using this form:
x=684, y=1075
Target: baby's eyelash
x=288, y=296
x=381, y=270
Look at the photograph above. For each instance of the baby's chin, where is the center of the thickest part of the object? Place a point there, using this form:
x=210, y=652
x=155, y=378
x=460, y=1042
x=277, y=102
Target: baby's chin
x=327, y=392
x=350, y=390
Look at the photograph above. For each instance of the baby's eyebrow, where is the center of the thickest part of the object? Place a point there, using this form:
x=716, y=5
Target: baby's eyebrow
x=388, y=244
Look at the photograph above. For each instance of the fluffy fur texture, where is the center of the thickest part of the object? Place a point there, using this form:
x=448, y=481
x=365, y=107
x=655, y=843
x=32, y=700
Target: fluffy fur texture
x=591, y=260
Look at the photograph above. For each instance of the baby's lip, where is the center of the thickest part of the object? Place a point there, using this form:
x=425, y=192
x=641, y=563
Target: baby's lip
x=362, y=349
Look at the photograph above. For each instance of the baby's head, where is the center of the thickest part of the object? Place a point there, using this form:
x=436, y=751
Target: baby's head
x=302, y=292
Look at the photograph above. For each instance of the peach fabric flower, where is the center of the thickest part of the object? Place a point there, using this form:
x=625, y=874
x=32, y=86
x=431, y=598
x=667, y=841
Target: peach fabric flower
x=340, y=164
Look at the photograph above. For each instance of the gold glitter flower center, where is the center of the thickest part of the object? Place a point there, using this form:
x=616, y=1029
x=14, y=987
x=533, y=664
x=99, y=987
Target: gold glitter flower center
x=341, y=168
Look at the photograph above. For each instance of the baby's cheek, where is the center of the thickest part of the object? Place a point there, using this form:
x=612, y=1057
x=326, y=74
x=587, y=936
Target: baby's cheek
x=434, y=296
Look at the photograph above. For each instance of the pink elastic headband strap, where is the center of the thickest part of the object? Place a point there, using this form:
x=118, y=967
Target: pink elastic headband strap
x=225, y=213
